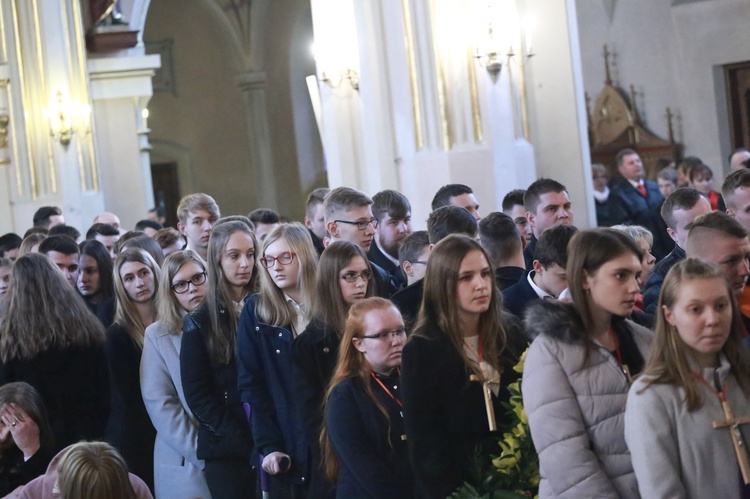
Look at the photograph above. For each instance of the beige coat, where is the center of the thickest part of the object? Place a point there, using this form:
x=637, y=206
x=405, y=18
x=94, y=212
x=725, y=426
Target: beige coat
x=677, y=453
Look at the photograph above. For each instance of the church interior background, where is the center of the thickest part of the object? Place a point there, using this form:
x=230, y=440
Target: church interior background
x=226, y=97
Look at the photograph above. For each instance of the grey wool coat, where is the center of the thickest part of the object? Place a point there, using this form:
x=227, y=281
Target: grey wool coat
x=677, y=453
x=177, y=470
x=576, y=411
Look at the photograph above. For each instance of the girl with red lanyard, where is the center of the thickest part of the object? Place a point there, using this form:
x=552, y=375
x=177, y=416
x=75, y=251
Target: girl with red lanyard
x=681, y=413
x=455, y=354
x=363, y=440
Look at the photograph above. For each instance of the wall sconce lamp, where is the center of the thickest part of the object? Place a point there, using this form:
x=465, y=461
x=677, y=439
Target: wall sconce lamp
x=67, y=119
x=334, y=78
x=489, y=47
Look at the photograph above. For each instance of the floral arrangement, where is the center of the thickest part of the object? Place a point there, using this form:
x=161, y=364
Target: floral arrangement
x=514, y=474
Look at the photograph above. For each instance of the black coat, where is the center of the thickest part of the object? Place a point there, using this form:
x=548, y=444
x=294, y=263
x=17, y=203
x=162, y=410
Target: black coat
x=129, y=428
x=409, y=300
x=643, y=210
x=14, y=471
x=445, y=413
x=211, y=393
x=656, y=279
x=373, y=457
x=314, y=355
x=528, y=253
x=74, y=386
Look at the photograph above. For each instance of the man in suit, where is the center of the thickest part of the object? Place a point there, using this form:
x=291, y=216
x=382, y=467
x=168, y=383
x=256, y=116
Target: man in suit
x=547, y=204
x=640, y=199
x=549, y=278
x=393, y=212
x=457, y=195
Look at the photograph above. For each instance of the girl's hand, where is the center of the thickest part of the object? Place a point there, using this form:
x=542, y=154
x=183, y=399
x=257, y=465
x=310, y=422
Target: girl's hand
x=23, y=429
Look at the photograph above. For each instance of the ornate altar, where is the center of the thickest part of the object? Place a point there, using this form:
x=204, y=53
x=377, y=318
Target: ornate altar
x=615, y=126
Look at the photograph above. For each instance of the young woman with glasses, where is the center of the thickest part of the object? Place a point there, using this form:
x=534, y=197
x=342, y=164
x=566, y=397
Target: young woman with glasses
x=177, y=470
x=457, y=345
x=269, y=323
x=344, y=278
x=208, y=360
x=129, y=428
x=364, y=441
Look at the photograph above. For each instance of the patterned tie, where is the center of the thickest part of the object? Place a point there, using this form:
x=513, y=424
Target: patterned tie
x=642, y=189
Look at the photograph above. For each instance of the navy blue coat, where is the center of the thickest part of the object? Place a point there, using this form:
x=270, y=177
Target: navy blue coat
x=517, y=297
x=265, y=380
x=645, y=211
x=373, y=457
x=211, y=393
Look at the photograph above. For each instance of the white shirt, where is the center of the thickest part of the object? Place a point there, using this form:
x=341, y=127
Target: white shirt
x=301, y=322
x=539, y=291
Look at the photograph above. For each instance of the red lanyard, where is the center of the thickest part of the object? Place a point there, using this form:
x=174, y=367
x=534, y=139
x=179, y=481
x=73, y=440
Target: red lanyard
x=617, y=345
x=721, y=395
x=385, y=388
x=479, y=347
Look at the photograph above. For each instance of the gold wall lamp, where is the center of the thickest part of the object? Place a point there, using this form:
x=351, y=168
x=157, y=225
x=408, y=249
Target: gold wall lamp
x=67, y=119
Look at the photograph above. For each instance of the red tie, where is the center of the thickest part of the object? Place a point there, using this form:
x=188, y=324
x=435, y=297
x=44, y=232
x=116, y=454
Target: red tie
x=642, y=189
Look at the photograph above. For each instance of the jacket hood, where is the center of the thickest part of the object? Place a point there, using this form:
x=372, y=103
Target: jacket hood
x=555, y=319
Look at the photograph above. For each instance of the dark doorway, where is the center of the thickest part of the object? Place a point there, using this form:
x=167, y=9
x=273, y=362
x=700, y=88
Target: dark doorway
x=737, y=77
x=166, y=190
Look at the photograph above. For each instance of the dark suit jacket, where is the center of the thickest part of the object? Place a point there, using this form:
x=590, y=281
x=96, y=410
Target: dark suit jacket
x=378, y=258
x=517, y=297
x=528, y=253
x=645, y=211
x=506, y=277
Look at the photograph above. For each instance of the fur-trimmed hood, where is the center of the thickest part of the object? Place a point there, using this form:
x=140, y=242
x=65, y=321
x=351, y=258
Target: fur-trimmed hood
x=556, y=319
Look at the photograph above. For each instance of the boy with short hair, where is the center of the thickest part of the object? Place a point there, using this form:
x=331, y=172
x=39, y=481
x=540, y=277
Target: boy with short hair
x=197, y=214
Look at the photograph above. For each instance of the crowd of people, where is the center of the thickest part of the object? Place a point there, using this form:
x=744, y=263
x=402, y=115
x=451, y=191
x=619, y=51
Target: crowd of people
x=349, y=356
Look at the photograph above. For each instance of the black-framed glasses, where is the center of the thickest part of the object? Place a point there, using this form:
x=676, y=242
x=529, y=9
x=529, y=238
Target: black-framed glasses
x=366, y=275
x=362, y=224
x=396, y=333
x=285, y=258
x=182, y=286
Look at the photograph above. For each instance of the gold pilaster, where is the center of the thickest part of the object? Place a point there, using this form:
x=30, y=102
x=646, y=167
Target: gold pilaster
x=446, y=135
x=416, y=99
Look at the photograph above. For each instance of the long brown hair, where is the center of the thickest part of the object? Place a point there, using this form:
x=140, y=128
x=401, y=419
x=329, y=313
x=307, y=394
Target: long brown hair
x=44, y=312
x=352, y=364
x=126, y=314
x=222, y=337
x=169, y=310
x=669, y=362
x=27, y=398
x=587, y=252
x=272, y=308
x=329, y=307
x=440, y=310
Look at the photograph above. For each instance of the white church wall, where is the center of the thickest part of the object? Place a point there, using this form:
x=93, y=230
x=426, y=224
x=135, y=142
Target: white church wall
x=672, y=54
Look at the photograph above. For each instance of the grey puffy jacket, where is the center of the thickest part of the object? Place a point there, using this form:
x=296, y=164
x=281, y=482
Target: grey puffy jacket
x=576, y=412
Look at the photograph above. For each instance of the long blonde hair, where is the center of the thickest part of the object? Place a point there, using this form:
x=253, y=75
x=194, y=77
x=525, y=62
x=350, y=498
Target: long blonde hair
x=272, y=307
x=44, y=312
x=167, y=306
x=126, y=314
x=352, y=364
x=669, y=359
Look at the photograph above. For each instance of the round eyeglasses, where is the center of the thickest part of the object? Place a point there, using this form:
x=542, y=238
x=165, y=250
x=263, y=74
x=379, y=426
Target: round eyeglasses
x=182, y=286
x=285, y=258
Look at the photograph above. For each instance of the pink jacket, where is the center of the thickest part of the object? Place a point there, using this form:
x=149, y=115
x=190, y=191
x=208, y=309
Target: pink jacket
x=45, y=486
